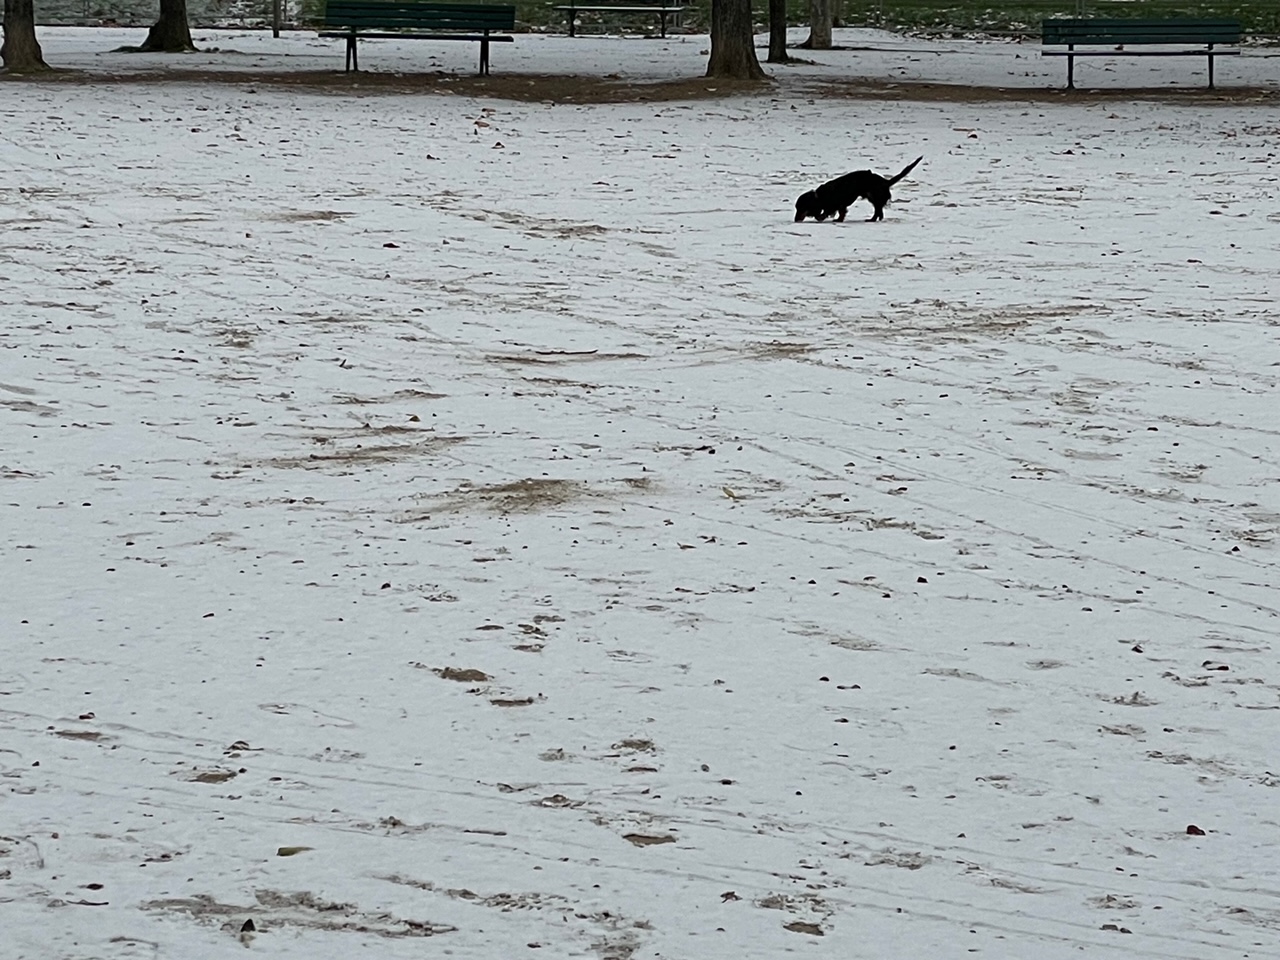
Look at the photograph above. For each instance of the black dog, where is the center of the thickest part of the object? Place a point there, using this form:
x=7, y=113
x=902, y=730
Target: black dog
x=835, y=197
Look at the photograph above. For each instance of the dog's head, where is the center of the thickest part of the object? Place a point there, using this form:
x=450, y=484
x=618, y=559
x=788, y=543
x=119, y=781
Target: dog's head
x=807, y=205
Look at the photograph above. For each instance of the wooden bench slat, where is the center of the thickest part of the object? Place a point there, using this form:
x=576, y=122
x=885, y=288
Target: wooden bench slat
x=497, y=21
x=363, y=16
x=1121, y=22
x=406, y=23
x=386, y=6
x=400, y=35
x=623, y=9
x=1139, y=53
x=620, y=9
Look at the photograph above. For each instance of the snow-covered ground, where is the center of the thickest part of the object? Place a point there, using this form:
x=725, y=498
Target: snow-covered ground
x=499, y=523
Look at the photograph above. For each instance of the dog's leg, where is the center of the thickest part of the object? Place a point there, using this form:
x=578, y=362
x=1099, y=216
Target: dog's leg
x=843, y=211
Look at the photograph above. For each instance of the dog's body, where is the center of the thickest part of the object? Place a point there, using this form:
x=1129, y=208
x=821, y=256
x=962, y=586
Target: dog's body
x=835, y=197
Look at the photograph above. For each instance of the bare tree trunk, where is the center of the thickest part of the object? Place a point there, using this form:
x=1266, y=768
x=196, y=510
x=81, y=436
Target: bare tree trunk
x=821, y=14
x=778, y=31
x=21, y=51
x=733, y=42
x=171, y=33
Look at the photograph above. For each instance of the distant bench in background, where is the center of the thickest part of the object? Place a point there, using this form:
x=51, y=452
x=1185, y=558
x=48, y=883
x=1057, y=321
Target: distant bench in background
x=663, y=10
x=412, y=20
x=1120, y=34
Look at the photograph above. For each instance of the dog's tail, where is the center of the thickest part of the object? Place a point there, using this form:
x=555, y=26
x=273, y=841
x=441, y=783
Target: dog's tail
x=907, y=169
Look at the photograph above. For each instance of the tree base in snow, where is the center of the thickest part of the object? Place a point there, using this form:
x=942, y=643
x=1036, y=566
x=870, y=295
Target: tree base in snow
x=20, y=52
x=170, y=33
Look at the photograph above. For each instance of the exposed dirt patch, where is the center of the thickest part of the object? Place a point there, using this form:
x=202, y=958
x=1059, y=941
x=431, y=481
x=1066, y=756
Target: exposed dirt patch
x=533, y=87
x=303, y=216
x=613, y=936
x=779, y=350
x=647, y=840
x=297, y=910
x=518, y=496
x=518, y=86
x=373, y=447
x=80, y=735
x=636, y=746
x=954, y=93
x=461, y=675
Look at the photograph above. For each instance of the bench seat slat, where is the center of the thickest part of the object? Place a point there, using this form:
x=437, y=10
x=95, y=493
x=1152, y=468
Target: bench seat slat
x=401, y=35
x=392, y=6
x=617, y=8
x=1139, y=53
x=621, y=9
x=397, y=20
x=406, y=23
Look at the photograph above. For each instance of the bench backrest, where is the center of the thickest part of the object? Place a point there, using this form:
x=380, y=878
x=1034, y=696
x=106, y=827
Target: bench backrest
x=628, y=3
x=410, y=15
x=1140, y=31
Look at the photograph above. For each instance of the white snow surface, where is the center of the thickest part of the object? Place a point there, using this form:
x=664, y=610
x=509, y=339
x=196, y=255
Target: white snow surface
x=508, y=504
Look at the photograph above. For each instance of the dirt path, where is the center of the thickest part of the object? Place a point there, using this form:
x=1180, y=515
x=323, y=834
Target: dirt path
x=579, y=89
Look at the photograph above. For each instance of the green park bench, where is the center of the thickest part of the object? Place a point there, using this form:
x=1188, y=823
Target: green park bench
x=662, y=9
x=354, y=20
x=1121, y=34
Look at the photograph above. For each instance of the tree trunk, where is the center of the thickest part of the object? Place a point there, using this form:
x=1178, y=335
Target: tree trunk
x=778, y=31
x=21, y=51
x=171, y=33
x=733, y=42
x=821, y=14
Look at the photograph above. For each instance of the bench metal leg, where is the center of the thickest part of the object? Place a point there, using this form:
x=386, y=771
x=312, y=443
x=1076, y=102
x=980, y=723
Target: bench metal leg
x=1071, y=68
x=573, y=15
x=484, y=55
x=353, y=57
x=662, y=18
x=1211, y=66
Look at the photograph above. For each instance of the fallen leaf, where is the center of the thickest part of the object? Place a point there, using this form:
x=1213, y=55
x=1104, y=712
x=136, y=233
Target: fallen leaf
x=292, y=851
x=79, y=734
x=462, y=676
x=801, y=926
x=646, y=840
